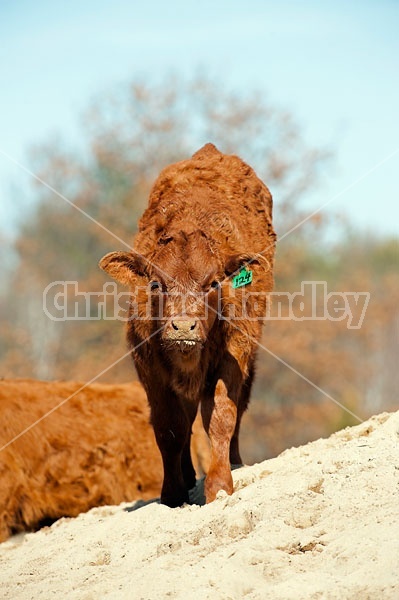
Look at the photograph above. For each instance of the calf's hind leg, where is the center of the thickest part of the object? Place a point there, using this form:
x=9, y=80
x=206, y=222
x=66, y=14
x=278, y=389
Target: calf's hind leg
x=186, y=462
x=243, y=401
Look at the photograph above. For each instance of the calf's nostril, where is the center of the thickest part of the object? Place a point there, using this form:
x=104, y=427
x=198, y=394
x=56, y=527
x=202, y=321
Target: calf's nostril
x=192, y=326
x=175, y=327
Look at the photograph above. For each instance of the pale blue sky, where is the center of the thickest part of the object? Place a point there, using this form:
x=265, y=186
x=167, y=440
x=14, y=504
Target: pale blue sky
x=334, y=65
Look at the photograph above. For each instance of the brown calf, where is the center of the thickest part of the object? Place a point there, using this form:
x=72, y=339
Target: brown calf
x=192, y=331
x=97, y=448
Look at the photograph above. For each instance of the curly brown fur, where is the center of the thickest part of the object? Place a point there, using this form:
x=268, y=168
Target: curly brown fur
x=194, y=337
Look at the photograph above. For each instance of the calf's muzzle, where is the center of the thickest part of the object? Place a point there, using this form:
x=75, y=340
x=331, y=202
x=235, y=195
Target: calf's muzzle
x=183, y=329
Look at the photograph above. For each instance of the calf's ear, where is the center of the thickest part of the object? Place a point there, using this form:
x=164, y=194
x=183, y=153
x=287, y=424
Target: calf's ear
x=123, y=266
x=236, y=262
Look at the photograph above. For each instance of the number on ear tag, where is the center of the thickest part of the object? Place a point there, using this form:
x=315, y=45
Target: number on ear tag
x=243, y=278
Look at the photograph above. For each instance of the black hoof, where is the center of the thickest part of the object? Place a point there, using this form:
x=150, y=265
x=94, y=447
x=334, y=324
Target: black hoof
x=175, y=499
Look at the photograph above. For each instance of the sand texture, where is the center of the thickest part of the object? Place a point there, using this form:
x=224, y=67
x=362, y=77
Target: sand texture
x=319, y=521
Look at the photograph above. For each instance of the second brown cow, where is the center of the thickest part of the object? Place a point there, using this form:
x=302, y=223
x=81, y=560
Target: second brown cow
x=199, y=272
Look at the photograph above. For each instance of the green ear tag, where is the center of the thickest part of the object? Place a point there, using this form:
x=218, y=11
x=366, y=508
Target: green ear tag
x=243, y=278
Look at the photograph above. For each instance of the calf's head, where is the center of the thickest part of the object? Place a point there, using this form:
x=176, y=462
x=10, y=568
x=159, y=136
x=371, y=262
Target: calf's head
x=177, y=288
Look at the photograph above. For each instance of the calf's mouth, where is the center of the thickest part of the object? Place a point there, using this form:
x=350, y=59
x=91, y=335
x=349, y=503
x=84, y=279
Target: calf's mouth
x=186, y=346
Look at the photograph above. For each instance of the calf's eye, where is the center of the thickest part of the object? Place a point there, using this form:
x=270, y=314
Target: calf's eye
x=155, y=286
x=214, y=285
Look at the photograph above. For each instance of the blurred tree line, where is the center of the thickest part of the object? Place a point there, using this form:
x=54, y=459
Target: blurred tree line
x=130, y=136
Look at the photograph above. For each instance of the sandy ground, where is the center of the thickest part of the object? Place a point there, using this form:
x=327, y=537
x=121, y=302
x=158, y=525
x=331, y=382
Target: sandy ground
x=319, y=521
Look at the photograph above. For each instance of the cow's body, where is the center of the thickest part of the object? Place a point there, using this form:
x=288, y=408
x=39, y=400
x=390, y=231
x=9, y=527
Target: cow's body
x=79, y=456
x=207, y=217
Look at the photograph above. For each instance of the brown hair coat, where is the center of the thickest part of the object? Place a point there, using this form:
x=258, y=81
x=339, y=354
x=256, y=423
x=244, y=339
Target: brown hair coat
x=193, y=335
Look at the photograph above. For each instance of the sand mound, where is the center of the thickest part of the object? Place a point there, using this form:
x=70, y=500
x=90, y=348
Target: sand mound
x=319, y=521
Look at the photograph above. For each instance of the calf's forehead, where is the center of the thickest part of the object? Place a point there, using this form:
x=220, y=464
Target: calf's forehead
x=185, y=266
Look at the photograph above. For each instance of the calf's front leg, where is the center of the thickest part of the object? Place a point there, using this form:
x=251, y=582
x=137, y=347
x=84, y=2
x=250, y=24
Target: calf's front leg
x=219, y=415
x=172, y=433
